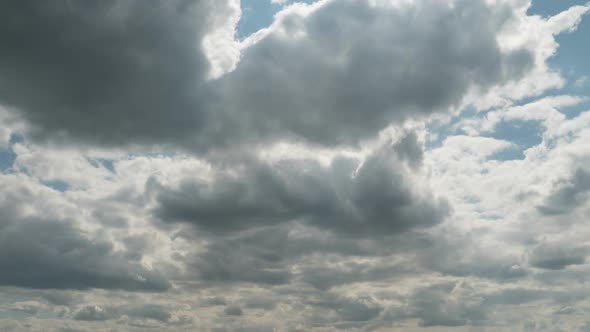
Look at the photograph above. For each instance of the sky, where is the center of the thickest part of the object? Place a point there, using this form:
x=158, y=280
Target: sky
x=329, y=165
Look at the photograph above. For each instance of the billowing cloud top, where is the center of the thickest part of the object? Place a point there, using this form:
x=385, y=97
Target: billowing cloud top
x=128, y=72
x=364, y=165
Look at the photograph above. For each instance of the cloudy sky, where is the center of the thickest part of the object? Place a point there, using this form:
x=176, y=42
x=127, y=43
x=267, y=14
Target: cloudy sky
x=329, y=165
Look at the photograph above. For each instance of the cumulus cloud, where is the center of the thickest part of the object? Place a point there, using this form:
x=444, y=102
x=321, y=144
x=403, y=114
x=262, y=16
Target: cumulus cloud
x=114, y=72
x=557, y=256
x=45, y=251
x=340, y=71
x=568, y=195
x=351, y=197
x=297, y=79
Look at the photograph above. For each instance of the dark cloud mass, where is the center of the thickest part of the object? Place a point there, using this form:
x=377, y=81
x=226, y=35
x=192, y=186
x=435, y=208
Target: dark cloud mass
x=134, y=72
x=568, y=194
x=372, y=198
x=38, y=252
x=349, y=68
x=558, y=256
x=108, y=72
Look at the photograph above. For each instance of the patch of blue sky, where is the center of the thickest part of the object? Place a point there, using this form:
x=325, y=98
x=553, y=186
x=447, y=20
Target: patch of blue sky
x=106, y=163
x=574, y=47
x=439, y=132
x=58, y=185
x=572, y=111
x=259, y=14
x=571, y=60
x=7, y=156
x=548, y=8
x=522, y=134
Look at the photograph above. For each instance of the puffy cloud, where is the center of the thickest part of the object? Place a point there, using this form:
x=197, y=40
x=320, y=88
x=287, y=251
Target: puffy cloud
x=46, y=251
x=568, y=195
x=339, y=71
x=114, y=72
x=557, y=256
x=313, y=75
x=368, y=197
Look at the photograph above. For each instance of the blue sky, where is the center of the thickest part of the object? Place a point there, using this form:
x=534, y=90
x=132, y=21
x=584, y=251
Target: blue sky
x=258, y=14
x=574, y=51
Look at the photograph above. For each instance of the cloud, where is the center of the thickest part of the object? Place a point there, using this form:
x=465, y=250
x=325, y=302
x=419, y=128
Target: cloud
x=51, y=252
x=568, y=20
x=557, y=256
x=349, y=309
x=445, y=304
x=150, y=311
x=315, y=74
x=351, y=197
x=112, y=73
x=149, y=83
x=232, y=311
x=139, y=315
x=96, y=313
x=568, y=195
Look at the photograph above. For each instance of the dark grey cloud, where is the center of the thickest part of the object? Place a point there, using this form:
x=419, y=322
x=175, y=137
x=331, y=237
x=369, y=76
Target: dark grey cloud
x=438, y=305
x=150, y=311
x=96, y=313
x=568, y=194
x=58, y=298
x=232, y=311
x=139, y=314
x=265, y=255
x=229, y=262
x=268, y=256
x=359, y=309
x=350, y=68
x=213, y=301
x=514, y=296
x=446, y=254
x=557, y=256
x=107, y=72
x=42, y=253
x=133, y=72
x=375, y=199
x=325, y=277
